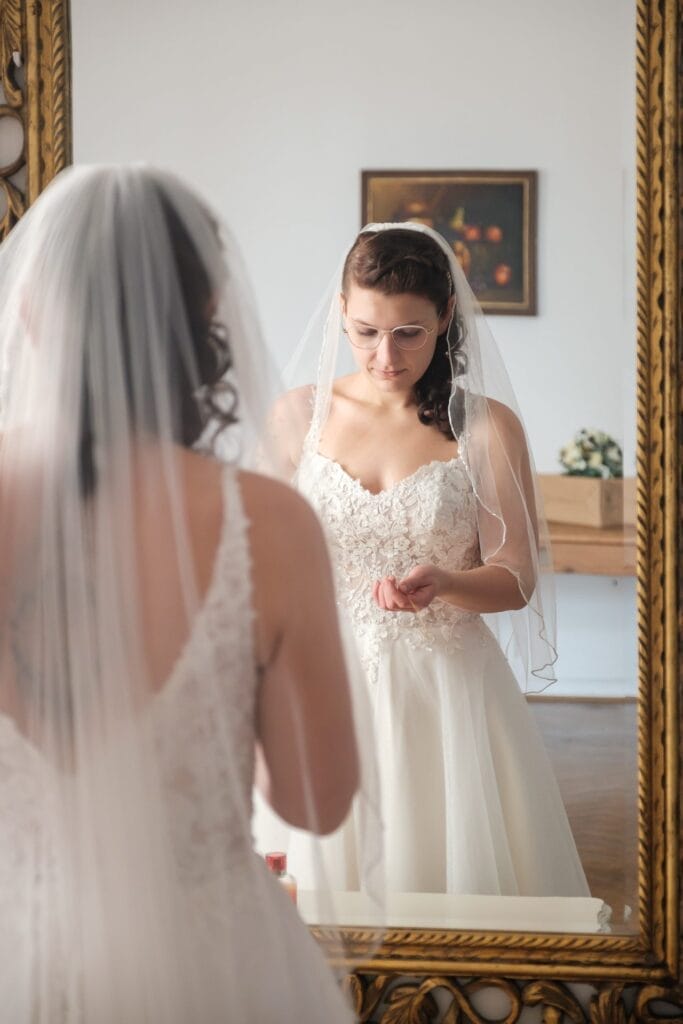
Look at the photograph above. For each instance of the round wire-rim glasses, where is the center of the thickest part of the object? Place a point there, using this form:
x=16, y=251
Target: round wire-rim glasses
x=408, y=337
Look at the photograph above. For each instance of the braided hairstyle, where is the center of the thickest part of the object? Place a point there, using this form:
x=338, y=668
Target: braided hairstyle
x=400, y=261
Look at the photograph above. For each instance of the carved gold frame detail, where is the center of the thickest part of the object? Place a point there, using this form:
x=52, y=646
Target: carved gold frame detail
x=633, y=978
x=36, y=81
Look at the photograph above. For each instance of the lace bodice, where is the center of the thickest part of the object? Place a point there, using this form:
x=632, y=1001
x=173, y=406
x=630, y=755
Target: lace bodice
x=205, y=716
x=428, y=517
x=202, y=724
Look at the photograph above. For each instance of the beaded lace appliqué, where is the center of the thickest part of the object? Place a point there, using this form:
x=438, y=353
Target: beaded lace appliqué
x=206, y=722
x=202, y=723
x=428, y=517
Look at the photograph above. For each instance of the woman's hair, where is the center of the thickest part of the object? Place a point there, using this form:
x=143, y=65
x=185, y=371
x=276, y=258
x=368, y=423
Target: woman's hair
x=193, y=389
x=401, y=261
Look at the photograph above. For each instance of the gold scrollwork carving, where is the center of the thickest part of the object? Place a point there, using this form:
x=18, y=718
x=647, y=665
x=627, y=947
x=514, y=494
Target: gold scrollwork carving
x=11, y=54
x=14, y=206
x=49, y=123
x=10, y=45
x=34, y=35
x=384, y=999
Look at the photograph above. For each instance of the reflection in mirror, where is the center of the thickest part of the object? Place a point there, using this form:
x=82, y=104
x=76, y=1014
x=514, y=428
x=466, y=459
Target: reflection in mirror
x=276, y=132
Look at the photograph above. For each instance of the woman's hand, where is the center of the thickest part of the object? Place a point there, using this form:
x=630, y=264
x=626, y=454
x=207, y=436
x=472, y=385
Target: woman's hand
x=412, y=594
x=389, y=598
x=482, y=590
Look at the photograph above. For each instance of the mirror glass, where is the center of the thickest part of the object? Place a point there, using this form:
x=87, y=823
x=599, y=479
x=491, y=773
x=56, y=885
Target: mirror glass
x=273, y=110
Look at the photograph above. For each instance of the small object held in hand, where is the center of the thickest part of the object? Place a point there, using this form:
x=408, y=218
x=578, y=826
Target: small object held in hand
x=277, y=865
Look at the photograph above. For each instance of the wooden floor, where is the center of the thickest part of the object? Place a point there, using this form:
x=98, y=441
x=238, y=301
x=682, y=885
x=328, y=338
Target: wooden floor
x=592, y=745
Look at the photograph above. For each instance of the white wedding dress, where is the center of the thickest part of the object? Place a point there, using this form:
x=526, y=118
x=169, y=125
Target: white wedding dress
x=263, y=951
x=468, y=793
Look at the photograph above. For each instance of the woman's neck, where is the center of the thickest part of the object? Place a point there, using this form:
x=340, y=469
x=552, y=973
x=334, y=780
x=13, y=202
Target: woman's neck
x=384, y=401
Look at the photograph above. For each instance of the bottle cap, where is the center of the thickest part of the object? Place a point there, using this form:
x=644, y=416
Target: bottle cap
x=276, y=861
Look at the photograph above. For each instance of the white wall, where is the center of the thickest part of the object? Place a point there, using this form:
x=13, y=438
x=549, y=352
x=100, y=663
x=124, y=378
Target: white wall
x=272, y=108
x=596, y=637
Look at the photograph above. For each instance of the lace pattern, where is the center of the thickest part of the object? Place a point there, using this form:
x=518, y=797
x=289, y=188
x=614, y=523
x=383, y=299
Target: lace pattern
x=205, y=721
x=202, y=723
x=428, y=517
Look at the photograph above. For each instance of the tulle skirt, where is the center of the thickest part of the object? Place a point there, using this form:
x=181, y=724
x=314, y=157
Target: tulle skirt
x=249, y=957
x=469, y=799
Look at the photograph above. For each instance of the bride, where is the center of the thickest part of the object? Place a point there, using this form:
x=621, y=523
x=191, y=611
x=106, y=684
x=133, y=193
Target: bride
x=418, y=465
x=155, y=615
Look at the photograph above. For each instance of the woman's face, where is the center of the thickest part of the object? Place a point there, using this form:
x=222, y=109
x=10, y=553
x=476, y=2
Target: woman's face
x=369, y=316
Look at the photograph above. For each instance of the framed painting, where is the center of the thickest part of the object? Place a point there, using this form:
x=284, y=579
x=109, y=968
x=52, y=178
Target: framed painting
x=489, y=218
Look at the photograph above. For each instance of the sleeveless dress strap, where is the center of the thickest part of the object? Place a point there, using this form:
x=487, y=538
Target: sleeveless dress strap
x=232, y=588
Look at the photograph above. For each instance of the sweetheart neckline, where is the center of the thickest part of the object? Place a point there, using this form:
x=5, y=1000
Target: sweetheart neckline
x=395, y=486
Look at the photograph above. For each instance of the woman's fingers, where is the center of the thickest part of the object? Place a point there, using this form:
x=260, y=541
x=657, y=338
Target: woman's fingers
x=417, y=578
x=378, y=590
x=396, y=601
x=422, y=598
x=410, y=595
x=390, y=597
x=387, y=595
x=420, y=586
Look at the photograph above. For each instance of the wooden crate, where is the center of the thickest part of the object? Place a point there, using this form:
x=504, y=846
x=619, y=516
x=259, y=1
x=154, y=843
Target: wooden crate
x=629, y=501
x=582, y=500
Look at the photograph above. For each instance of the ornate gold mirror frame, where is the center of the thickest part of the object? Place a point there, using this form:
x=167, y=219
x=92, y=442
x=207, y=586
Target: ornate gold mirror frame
x=631, y=978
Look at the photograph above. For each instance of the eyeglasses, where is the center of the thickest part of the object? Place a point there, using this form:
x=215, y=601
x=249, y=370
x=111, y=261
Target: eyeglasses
x=408, y=337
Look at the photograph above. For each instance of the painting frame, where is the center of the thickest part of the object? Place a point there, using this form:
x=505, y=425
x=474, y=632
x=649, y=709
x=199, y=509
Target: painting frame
x=499, y=256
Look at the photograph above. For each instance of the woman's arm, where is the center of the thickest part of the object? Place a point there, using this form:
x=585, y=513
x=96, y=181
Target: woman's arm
x=488, y=588
x=309, y=761
x=288, y=424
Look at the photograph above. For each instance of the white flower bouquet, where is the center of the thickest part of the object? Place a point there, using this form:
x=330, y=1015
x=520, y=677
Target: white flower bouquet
x=592, y=453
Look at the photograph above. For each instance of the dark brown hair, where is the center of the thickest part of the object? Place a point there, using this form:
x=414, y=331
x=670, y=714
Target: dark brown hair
x=194, y=390
x=401, y=261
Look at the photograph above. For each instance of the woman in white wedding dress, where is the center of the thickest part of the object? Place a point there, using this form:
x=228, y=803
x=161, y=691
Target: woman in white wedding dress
x=155, y=616
x=418, y=465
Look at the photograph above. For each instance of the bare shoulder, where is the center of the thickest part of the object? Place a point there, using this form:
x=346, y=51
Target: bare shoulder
x=503, y=414
x=276, y=509
x=502, y=418
x=203, y=488
x=296, y=400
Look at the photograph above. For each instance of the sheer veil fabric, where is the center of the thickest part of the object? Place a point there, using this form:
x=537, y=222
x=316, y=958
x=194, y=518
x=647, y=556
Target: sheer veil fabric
x=129, y=889
x=492, y=443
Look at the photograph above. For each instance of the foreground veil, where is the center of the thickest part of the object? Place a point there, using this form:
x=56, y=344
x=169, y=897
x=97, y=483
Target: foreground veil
x=492, y=443
x=105, y=916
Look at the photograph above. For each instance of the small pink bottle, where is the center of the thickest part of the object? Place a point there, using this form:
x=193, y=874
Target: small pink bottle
x=277, y=863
